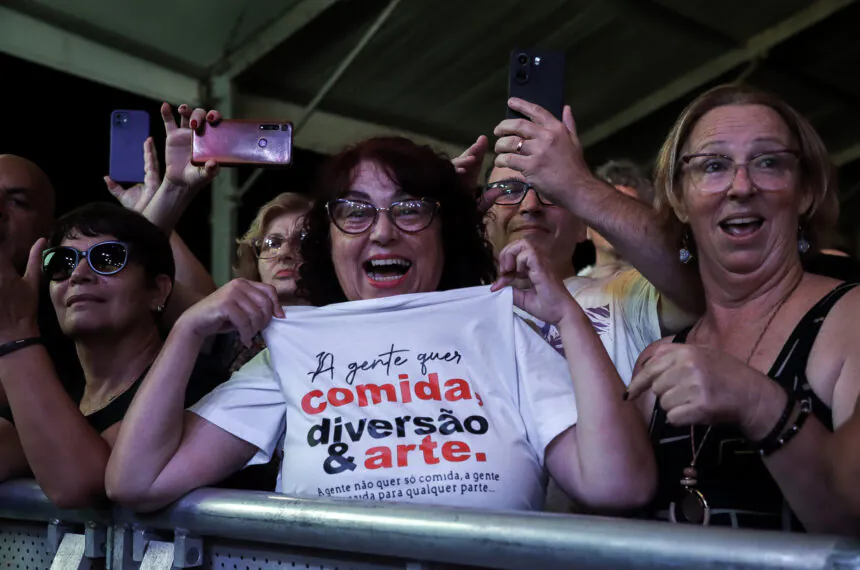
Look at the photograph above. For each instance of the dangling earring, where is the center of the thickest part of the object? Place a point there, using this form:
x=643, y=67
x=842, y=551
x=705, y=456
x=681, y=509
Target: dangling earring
x=686, y=256
x=802, y=244
x=159, y=309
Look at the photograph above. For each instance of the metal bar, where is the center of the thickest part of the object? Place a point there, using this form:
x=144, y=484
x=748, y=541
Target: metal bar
x=22, y=499
x=276, y=33
x=36, y=41
x=224, y=192
x=335, y=77
x=694, y=79
x=70, y=555
x=493, y=539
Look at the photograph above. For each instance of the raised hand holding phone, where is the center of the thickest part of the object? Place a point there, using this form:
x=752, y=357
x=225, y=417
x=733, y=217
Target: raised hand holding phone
x=128, y=131
x=137, y=197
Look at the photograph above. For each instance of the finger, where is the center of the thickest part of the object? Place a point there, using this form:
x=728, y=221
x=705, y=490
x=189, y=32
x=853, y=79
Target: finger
x=502, y=282
x=570, y=124
x=211, y=169
x=518, y=162
x=533, y=111
x=235, y=317
x=517, y=127
x=511, y=144
x=674, y=397
x=114, y=188
x=213, y=117
x=168, y=118
x=184, y=116
x=150, y=156
x=464, y=160
x=264, y=296
x=34, y=264
x=685, y=415
x=198, y=119
x=152, y=174
x=259, y=314
x=508, y=256
x=272, y=293
x=640, y=384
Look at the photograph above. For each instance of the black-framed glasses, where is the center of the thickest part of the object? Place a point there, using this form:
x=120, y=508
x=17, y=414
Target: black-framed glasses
x=715, y=173
x=104, y=258
x=510, y=193
x=273, y=245
x=357, y=216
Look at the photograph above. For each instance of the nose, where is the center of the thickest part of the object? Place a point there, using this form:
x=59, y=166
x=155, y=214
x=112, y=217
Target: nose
x=531, y=204
x=286, y=253
x=383, y=230
x=742, y=185
x=83, y=273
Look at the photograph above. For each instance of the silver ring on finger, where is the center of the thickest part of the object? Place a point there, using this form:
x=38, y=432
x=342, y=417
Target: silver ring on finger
x=520, y=145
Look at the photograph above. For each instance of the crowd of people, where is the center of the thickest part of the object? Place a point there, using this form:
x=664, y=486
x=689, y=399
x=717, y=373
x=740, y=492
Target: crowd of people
x=409, y=330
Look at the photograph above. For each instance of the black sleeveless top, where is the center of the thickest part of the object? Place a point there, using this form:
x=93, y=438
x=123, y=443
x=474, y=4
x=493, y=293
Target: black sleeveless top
x=732, y=477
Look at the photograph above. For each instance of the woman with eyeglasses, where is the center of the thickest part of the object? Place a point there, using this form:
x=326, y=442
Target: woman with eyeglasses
x=376, y=400
x=110, y=274
x=743, y=403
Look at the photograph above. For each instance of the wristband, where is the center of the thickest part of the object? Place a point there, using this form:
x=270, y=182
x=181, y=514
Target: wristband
x=779, y=442
x=779, y=427
x=14, y=345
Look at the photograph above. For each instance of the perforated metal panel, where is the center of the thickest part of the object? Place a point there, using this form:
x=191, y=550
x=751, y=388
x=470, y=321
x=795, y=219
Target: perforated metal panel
x=23, y=546
x=231, y=556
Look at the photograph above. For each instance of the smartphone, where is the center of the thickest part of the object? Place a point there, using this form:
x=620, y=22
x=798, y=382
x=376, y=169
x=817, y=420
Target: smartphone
x=128, y=131
x=234, y=142
x=537, y=76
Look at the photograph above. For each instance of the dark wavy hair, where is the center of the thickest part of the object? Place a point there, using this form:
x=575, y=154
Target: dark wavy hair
x=149, y=246
x=420, y=172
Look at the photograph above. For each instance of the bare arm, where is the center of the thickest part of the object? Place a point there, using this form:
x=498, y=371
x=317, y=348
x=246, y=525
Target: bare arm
x=551, y=158
x=578, y=459
x=66, y=455
x=192, y=282
x=13, y=462
x=162, y=451
x=843, y=457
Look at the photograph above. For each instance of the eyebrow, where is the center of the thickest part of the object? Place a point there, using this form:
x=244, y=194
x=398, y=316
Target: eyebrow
x=775, y=140
x=359, y=195
x=16, y=191
x=507, y=180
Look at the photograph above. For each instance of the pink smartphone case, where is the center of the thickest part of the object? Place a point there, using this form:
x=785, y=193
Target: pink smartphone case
x=234, y=142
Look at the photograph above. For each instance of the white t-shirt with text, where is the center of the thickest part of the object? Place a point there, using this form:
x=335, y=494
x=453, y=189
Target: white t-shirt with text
x=440, y=398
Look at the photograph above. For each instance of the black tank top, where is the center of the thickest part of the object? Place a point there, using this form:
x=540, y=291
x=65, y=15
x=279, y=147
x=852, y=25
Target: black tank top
x=732, y=477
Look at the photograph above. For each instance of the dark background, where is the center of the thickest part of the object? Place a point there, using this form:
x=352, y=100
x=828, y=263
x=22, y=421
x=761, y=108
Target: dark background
x=62, y=123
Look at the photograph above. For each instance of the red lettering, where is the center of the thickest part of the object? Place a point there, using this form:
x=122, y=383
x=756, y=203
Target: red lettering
x=340, y=397
x=458, y=389
x=403, y=454
x=405, y=391
x=456, y=451
x=375, y=393
x=427, y=446
x=429, y=390
x=378, y=458
x=308, y=405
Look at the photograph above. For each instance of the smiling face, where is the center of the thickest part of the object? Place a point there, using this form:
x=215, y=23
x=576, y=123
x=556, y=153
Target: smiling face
x=744, y=228
x=384, y=260
x=552, y=230
x=280, y=271
x=89, y=304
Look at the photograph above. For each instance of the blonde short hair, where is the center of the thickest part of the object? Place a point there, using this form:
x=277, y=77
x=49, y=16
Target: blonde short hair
x=286, y=203
x=818, y=175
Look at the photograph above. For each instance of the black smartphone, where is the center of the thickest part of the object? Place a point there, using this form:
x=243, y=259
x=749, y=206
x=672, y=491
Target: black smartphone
x=537, y=76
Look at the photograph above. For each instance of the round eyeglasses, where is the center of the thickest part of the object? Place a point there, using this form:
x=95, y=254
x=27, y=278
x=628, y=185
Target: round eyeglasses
x=356, y=216
x=510, y=193
x=105, y=258
x=273, y=245
x=715, y=173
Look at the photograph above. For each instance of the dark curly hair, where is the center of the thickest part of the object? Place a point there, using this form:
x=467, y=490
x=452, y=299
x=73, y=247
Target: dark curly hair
x=420, y=172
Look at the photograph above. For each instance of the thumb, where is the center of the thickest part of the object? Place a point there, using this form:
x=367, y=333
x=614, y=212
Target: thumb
x=113, y=187
x=567, y=119
x=34, y=264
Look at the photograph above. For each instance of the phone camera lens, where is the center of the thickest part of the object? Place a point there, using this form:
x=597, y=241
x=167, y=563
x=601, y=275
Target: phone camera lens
x=262, y=143
x=522, y=59
x=522, y=76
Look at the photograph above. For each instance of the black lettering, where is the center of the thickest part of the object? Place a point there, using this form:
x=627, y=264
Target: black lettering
x=425, y=426
x=477, y=425
x=318, y=435
x=336, y=462
x=355, y=433
x=377, y=429
x=400, y=422
x=325, y=363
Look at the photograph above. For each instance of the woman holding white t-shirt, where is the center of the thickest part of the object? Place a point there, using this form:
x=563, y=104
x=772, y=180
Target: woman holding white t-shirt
x=483, y=406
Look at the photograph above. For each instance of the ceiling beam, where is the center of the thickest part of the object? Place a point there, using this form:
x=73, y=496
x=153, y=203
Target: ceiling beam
x=33, y=40
x=328, y=133
x=273, y=35
x=846, y=155
x=755, y=47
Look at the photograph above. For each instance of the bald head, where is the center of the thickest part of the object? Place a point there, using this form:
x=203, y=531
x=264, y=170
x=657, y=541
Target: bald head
x=26, y=207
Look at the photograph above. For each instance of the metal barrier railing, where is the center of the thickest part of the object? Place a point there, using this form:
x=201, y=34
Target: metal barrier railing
x=205, y=525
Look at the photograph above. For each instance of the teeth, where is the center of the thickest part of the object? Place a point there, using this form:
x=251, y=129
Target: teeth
x=379, y=278
x=389, y=262
x=740, y=221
